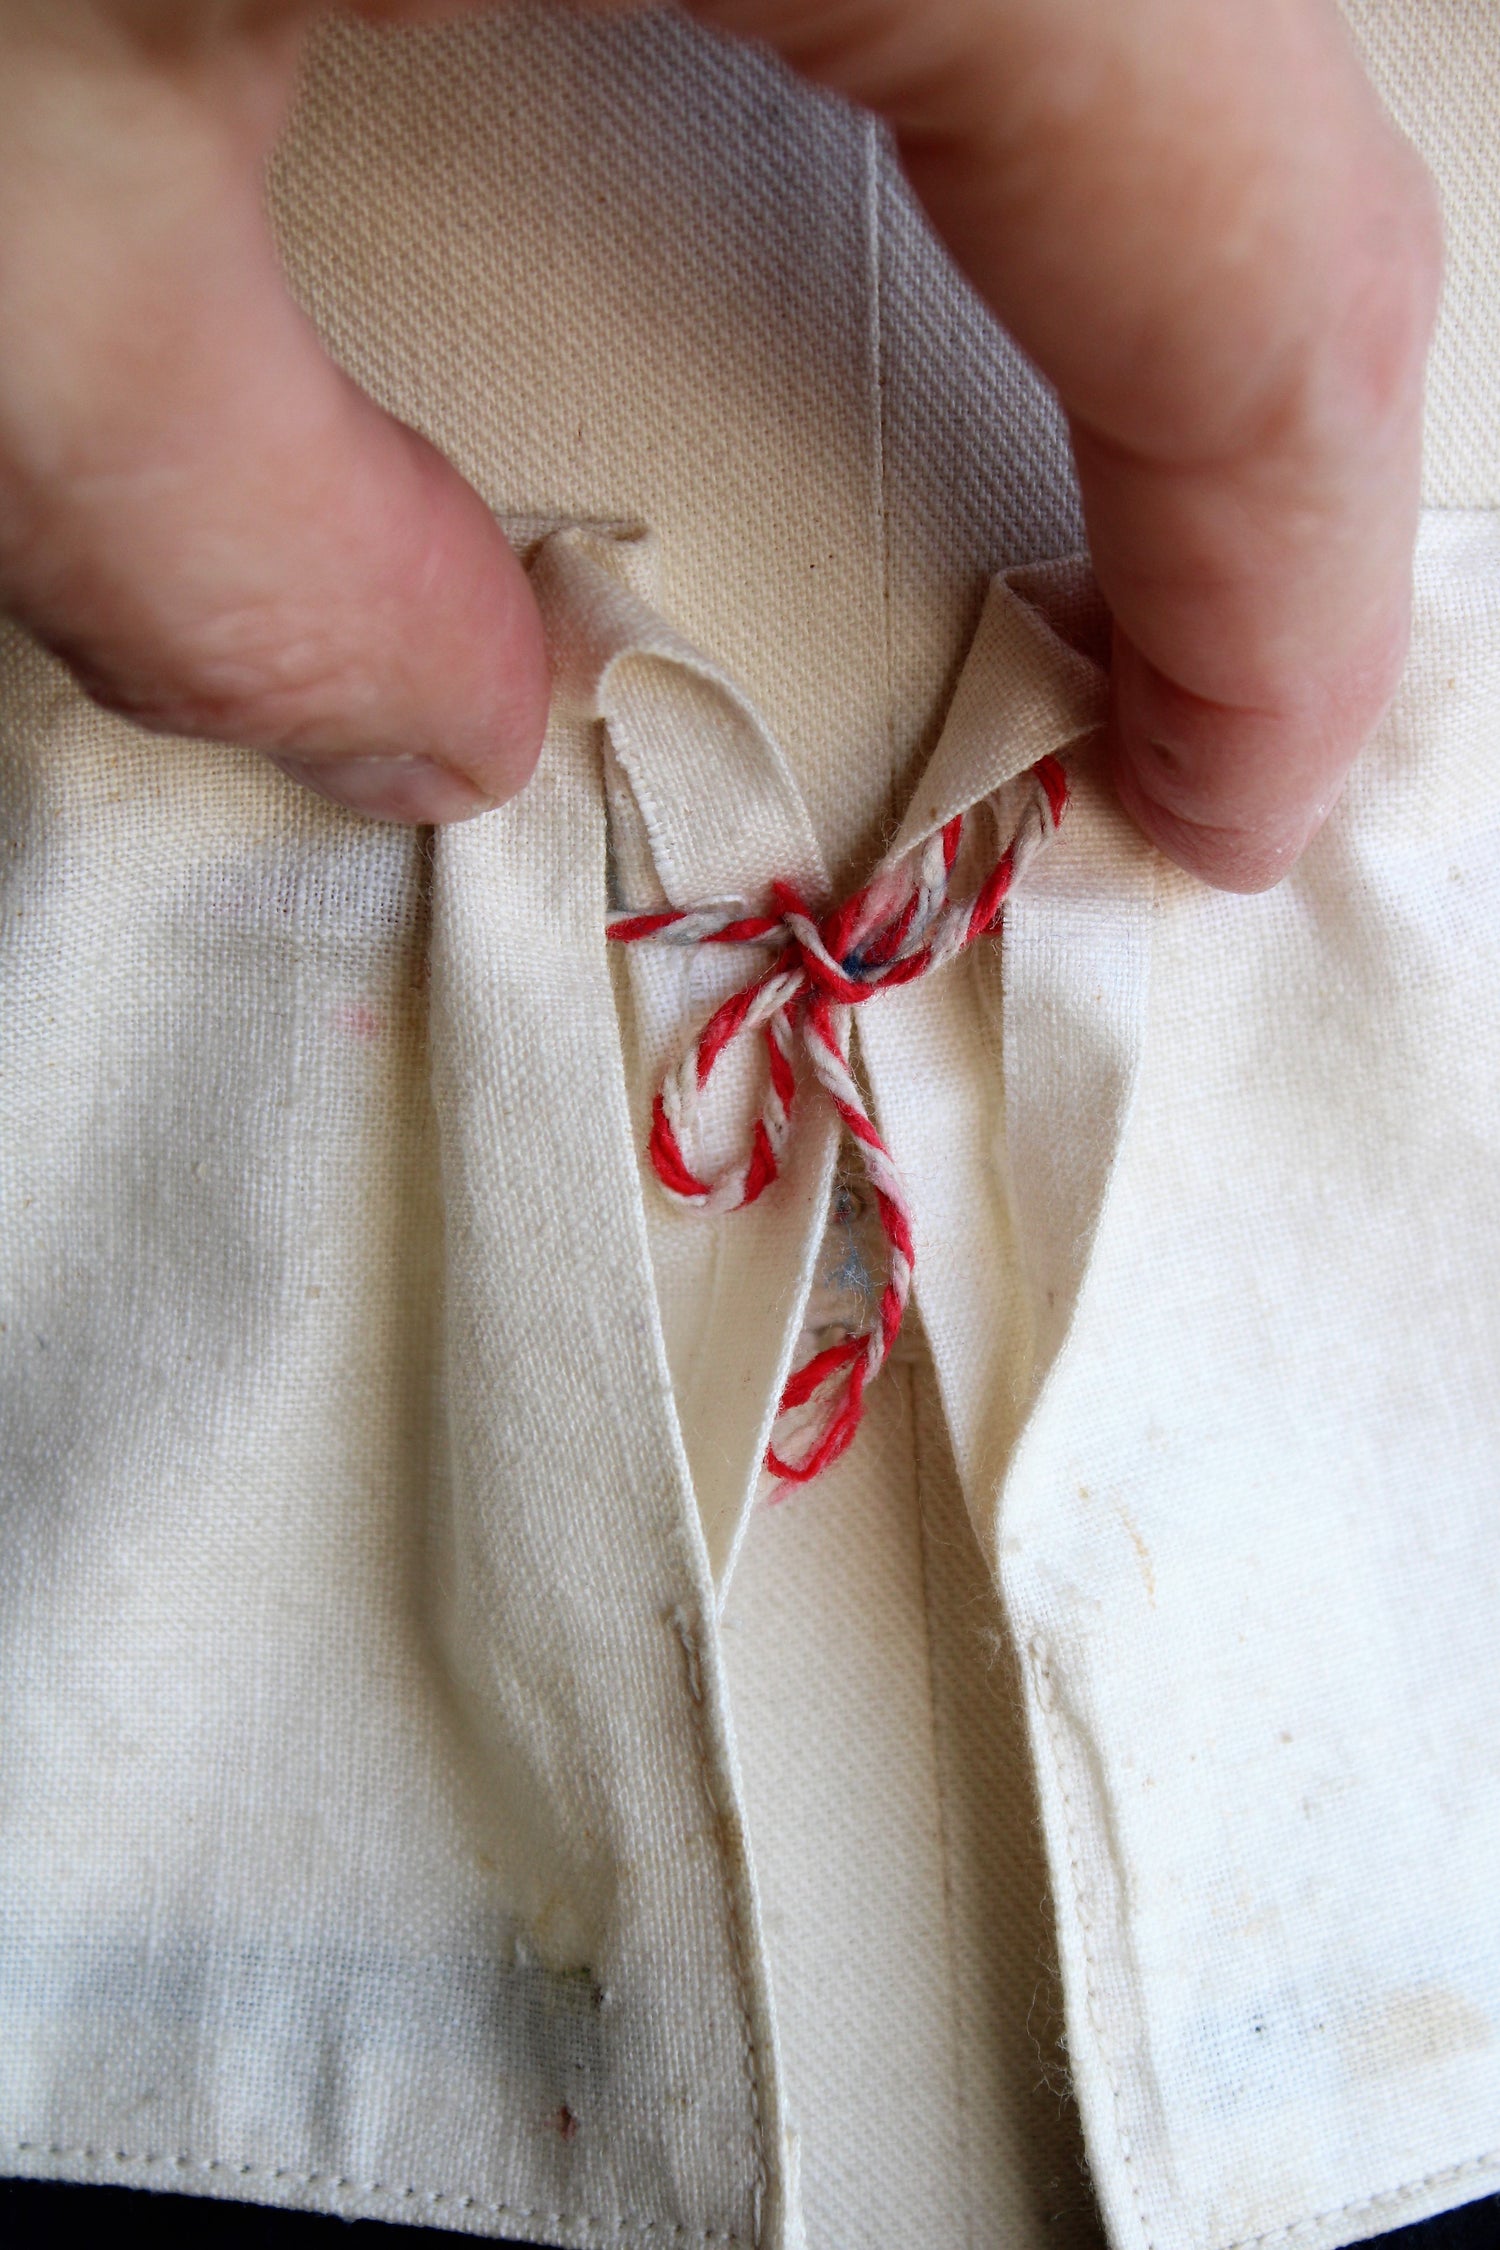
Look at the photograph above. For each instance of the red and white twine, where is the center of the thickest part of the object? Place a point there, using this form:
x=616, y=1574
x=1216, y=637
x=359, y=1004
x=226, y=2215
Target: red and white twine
x=901, y=925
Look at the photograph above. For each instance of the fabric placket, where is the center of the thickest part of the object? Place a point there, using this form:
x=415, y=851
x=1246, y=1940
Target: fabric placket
x=704, y=809
x=1005, y=1092
x=577, y=1608
x=702, y=806
x=1004, y=1114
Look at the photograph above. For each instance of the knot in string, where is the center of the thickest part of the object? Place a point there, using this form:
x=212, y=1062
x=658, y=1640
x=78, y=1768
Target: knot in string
x=903, y=924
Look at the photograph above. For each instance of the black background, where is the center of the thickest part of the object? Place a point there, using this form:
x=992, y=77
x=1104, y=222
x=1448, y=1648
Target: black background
x=37, y=2216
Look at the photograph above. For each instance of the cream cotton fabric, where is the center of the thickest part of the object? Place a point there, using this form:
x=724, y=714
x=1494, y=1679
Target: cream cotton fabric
x=433, y=1787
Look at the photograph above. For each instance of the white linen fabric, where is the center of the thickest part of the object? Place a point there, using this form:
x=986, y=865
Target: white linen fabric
x=436, y=1784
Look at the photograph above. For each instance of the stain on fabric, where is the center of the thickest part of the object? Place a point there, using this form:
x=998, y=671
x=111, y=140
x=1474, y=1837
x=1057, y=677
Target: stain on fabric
x=356, y=1019
x=1424, y=2024
x=318, y=2018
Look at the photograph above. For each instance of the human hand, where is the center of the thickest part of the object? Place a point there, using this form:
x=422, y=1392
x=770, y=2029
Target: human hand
x=218, y=531
x=1200, y=224
x=1197, y=221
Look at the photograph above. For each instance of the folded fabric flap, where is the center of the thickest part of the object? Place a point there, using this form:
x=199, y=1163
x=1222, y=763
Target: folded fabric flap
x=1026, y=689
x=702, y=808
x=1005, y=1118
x=724, y=816
x=570, y=1606
x=1075, y=942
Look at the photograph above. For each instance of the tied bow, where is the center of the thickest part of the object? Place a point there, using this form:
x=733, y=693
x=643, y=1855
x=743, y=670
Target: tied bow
x=903, y=924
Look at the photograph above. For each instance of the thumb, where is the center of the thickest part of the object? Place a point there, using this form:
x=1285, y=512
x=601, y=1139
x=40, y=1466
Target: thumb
x=198, y=512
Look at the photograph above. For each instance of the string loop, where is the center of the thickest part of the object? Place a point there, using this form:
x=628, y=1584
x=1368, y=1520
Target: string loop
x=902, y=925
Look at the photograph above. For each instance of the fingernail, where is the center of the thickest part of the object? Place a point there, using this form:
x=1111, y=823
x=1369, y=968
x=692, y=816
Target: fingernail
x=409, y=788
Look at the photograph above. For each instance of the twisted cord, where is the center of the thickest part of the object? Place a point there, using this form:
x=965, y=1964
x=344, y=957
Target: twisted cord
x=902, y=925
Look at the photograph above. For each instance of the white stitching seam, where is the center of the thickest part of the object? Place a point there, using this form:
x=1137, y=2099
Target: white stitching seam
x=724, y=1819
x=1038, y=1654
x=1391, y=2198
x=964, y=2120
x=433, y=2196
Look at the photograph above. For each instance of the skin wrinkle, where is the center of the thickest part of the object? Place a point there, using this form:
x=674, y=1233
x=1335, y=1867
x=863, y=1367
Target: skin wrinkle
x=1198, y=222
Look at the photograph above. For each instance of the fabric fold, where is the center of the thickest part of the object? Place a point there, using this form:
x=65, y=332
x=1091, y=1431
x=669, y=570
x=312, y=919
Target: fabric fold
x=569, y=1602
x=1005, y=1084
x=703, y=807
